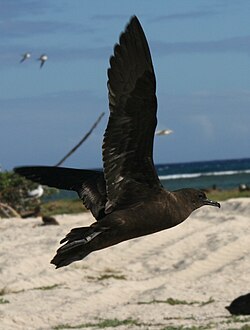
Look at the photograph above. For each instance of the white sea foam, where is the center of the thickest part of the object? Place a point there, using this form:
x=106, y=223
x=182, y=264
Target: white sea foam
x=197, y=175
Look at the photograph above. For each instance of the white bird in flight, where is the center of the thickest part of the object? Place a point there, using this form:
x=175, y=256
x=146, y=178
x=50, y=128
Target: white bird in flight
x=25, y=56
x=43, y=58
x=164, y=132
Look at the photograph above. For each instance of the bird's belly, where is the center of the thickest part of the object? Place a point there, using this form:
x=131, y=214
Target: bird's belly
x=127, y=224
x=144, y=222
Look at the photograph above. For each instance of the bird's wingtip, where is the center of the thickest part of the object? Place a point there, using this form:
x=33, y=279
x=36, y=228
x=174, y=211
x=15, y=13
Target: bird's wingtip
x=52, y=262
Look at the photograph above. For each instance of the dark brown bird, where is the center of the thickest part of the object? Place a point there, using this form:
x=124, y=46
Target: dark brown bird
x=127, y=198
x=48, y=221
x=240, y=305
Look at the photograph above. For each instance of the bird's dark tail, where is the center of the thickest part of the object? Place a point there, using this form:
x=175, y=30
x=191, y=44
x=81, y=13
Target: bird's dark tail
x=77, y=245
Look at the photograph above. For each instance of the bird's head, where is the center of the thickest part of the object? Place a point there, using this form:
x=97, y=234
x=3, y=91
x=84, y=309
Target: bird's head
x=194, y=198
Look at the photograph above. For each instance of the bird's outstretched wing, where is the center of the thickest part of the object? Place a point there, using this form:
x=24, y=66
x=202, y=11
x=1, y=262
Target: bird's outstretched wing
x=128, y=141
x=89, y=185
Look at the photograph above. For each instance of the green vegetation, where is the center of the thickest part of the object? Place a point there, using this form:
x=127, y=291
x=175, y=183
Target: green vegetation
x=101, y=324
x=107, y=274
x=114, y=276
x=48, y=287
x=3, y=301
x=5, y=290
x=66, y=206
x=222, y=195
x=13, y=190
x=132, y=323
x=172, y=301
x=13, y=193
x=244, y=327
x=181, y=327
x=237, y=319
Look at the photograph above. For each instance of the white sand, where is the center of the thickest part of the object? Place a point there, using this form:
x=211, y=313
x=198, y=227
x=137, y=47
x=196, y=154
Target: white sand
x=205, y=258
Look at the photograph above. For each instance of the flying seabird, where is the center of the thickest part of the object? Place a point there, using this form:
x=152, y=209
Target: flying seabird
x=25, y=56
x=127, y=198
x=43, y=58
x=164, y=132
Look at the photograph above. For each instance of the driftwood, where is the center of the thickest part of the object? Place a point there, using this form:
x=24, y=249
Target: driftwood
x=7, y=211
x=81, y=141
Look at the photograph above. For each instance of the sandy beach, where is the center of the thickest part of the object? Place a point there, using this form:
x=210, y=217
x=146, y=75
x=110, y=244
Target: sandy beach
x=184, y=276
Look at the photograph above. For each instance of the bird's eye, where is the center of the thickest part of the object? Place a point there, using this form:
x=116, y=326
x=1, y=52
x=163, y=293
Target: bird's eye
x=201, y=195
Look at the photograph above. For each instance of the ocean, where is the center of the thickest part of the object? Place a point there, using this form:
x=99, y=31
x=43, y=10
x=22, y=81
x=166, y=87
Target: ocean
x=222, y=174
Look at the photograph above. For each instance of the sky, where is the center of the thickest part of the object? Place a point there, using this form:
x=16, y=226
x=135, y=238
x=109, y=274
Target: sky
x=201, y=56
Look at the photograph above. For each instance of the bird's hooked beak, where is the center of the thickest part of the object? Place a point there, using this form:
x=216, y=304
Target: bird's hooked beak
x=211, y=203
